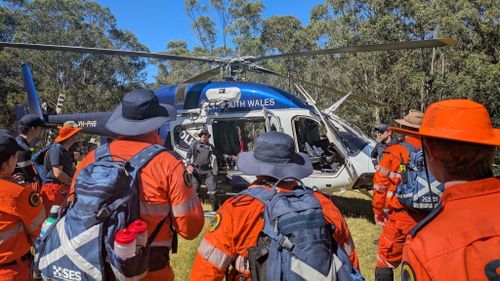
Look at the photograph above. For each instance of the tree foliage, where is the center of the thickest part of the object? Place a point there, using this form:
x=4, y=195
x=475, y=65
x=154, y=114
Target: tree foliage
x=89, y=82
x=400, y=79
x=229, y=28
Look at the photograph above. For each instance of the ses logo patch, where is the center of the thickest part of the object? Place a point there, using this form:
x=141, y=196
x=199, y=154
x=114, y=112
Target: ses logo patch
x=67, y=274
x=215, y=222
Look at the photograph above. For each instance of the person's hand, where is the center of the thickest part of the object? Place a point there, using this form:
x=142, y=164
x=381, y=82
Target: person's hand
x=234, y=157
x=190, y=169
x=380, y=220
x=18, y=176
x=78, y=156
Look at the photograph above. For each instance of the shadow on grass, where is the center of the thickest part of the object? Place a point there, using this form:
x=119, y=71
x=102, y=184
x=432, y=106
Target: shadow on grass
x=354, y=207
x=349, y=203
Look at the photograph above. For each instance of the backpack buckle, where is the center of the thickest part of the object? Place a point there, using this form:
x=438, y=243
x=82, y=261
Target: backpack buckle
x=286, y=243
x=127, y=167
x=103, y=214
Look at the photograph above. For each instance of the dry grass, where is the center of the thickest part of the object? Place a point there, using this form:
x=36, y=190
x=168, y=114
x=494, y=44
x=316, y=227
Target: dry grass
x=183, y=260
x=357, y=210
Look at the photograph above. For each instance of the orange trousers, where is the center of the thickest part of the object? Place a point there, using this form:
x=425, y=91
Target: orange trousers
x=54, y=194
x=17, y=272
x=392, y=238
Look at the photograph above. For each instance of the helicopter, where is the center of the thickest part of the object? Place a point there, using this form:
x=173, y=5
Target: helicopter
x=237, y=112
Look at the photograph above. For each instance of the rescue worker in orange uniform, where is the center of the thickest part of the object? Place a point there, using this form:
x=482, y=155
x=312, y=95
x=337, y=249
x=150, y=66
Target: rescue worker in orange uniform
x=59, y=167
x=165, y=187
x=389, y=212
x=238, y=222
x=460, y=239
x=21, y=215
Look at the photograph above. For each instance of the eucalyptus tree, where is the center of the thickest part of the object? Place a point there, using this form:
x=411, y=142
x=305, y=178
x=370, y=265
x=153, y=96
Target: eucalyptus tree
x=89, y=82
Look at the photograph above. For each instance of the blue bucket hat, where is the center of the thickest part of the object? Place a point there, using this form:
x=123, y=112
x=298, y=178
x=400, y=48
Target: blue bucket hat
x=140, y=113
x=274, y=155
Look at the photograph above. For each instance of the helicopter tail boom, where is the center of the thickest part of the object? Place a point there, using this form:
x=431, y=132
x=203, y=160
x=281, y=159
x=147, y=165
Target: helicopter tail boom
x=92, y=123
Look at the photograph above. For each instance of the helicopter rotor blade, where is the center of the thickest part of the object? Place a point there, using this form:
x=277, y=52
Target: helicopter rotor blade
x=203, y=76
x=405, y=45
x=260, y=69
x=101, y=51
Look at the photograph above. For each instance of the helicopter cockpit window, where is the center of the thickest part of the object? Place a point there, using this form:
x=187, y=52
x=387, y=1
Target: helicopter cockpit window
x=312, y=140
x=232, y=136
x=352, y=137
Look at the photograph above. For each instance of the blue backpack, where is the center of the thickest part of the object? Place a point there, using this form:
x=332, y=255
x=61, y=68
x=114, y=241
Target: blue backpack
x=418, y=189
x=38, y=160
x=296, y=242
x=79, y=246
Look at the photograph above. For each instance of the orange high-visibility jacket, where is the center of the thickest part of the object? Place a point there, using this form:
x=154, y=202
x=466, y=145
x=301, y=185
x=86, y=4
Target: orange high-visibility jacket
x=460, y=240
x=21, y=217
x=387, y=176
x=237, y=230
x=163, y=191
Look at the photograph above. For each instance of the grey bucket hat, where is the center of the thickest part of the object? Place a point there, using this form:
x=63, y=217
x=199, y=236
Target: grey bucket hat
x=274, y=155
x=140, y=113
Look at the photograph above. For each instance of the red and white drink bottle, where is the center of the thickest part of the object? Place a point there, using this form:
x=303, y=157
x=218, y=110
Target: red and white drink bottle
x=125, y=242
x=140, y=228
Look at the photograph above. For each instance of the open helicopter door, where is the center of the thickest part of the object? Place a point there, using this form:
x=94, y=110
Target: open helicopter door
x=338, y=166
x=273, y=122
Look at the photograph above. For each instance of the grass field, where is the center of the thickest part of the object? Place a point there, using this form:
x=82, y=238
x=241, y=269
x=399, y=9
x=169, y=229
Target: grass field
x=357, y=210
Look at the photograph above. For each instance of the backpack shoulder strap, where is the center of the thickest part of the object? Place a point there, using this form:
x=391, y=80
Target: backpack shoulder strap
x=22, y=143
x=144, y=156
x=102, y=152
x=40, y=155
x=409, y=147
x=137, y=162
x=259, y=193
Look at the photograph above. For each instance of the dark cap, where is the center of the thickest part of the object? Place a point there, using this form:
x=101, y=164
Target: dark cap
x=204, y=132
x=31, y=120
x=8, y=145
x=382, y=128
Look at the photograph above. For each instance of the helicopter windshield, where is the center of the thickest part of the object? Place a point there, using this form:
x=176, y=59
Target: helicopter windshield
x=351, y=137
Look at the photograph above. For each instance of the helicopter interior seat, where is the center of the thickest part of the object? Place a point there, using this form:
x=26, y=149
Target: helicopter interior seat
x=312, y=140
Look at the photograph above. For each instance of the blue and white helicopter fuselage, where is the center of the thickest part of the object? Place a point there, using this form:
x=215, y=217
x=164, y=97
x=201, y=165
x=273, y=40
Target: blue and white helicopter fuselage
x=236, y=113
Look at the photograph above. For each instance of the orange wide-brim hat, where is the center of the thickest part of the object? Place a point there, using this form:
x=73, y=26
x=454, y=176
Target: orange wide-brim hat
x=458, y=120
x=67, y=132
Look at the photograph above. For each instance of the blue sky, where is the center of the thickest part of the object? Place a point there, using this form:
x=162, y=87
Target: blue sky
x=156, y=22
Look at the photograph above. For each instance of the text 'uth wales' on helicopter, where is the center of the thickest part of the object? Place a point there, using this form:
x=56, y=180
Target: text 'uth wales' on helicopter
x=236, y=113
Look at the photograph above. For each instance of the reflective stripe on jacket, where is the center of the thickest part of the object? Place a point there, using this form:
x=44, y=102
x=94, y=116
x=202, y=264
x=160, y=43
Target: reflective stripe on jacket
x=163, y=190
x=239, y=227
x=387, y=176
